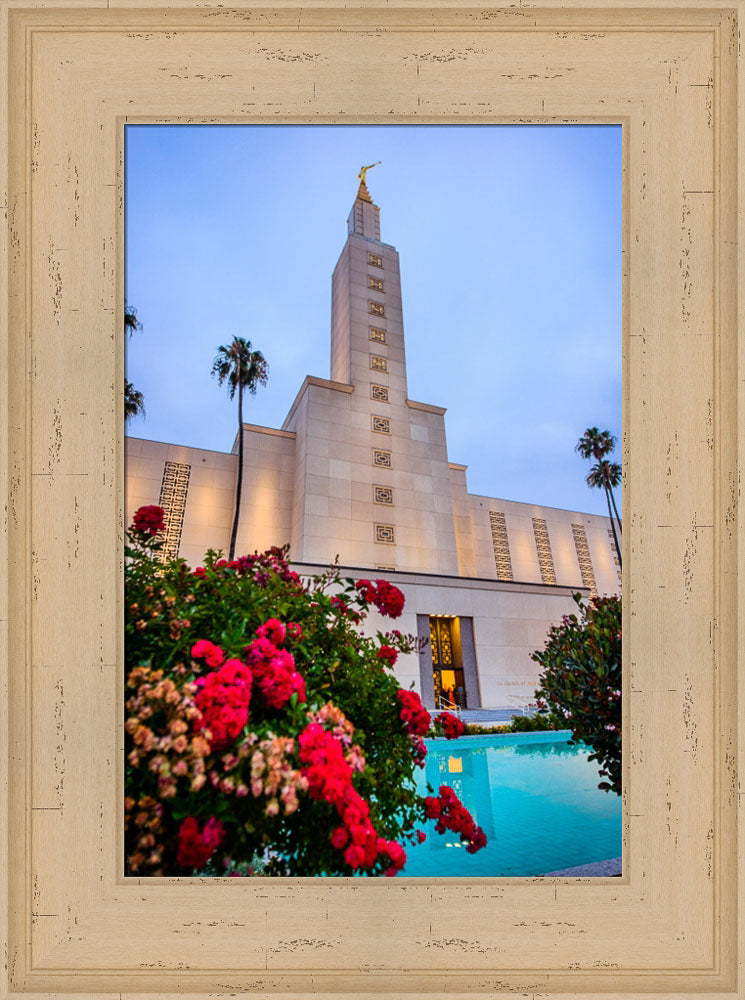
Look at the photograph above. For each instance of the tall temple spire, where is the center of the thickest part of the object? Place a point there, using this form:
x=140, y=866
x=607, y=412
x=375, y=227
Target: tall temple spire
x=367, y=332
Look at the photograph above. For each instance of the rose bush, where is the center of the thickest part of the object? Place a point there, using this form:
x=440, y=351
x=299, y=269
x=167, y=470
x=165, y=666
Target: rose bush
x=581, y=682
x=261, y=724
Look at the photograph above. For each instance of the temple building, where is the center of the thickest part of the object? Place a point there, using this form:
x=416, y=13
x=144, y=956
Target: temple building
x=361, y=472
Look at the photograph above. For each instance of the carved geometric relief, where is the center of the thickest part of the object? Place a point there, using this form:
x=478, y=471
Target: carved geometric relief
x=173, y=489
x=375, y=283
x=379, y=392
x=583, y=558
x=383, y=494
x=382, y=458
x=614, y=551
x=377, y=334
x=381, y=424
x=543, y=546
x=376, y=308
x=375, y=259
x=385, y=533
x=378, y=364
x=501, y=544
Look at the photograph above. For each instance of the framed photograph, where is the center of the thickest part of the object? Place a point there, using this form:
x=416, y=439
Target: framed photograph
x=80, y=918
x=412, y=607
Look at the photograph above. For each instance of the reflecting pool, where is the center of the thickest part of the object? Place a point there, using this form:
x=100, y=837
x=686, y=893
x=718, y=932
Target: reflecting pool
x=535, y=796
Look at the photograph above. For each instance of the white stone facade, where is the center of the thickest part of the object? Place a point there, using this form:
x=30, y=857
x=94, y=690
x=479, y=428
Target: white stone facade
x=360, y=472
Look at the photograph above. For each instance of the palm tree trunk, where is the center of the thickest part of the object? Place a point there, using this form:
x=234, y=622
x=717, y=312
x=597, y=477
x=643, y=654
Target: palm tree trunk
x=615, y=509
x=613, y=525
x=239, y=480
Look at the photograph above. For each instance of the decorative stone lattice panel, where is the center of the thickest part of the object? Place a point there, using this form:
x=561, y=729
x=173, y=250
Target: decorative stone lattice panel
x=173, y=489
x=378, y=364
x=377, y=334
x=501, y=544
x=381, y=425
x=376, y=308
x=385, y=533
x=379, y=392
x=583, y=558
x=543, y=545
x=375, y=259
x=614, y=552
x=375, y=283
x=382, y=458
x=383, y=494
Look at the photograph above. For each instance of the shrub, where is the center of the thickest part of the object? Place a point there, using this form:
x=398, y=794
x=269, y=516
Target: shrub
x=477, y=729
x=534, y=724
x=264, y=733
x=581, y=681
x=519, y=724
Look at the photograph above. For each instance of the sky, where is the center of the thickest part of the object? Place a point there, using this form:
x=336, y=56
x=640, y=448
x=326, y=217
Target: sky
x=510, y=247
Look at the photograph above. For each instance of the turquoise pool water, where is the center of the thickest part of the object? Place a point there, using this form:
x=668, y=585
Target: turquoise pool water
x=536, y=798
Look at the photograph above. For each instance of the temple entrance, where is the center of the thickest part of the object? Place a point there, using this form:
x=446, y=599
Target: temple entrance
x=447, y=667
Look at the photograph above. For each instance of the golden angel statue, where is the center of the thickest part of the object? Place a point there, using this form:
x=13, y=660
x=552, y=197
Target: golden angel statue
x=363, y=171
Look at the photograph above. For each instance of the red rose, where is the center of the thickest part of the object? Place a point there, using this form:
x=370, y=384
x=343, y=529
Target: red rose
x=451, y=724
x=354, y=856
x=388, y=653
x=329, y=778
x=339, y=838
x=274, y=672
x=389, y=599
x=212, y=654
x=272, y=630
x=149, y=520
x=414, y=715
x=196, y=847
x=223, y=698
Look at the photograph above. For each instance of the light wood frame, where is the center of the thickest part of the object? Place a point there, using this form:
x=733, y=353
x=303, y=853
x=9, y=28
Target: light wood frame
x=669, y=74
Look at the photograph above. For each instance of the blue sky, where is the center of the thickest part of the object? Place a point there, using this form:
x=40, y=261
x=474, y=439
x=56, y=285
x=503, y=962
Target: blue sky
x=510, y=244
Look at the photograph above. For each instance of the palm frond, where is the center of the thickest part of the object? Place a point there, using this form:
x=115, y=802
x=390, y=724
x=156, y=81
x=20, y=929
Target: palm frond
x=240, y=367
x=134, y=401
x=595, y=443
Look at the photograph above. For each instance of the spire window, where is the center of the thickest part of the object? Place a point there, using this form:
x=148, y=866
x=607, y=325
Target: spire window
x=385, y=533
x=381, y=425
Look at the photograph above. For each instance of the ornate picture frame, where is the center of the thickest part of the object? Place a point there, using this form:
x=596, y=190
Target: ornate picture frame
x=73, y=75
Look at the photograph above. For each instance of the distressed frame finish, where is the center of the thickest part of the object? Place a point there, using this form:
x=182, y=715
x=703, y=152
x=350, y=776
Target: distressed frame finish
x=76, y=927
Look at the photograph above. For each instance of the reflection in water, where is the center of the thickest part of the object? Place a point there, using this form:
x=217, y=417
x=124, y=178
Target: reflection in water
x=544, y=750
x=535, y=796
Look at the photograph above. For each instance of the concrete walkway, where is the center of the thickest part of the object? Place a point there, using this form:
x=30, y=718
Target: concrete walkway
x=610, y=867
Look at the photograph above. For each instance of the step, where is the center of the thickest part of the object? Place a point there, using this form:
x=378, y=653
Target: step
x=485, y=715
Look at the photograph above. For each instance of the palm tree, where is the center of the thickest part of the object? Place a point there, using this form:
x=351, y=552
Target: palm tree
x=604, y=475
x=242, y=368
x=597, y=444
x=134, y=401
